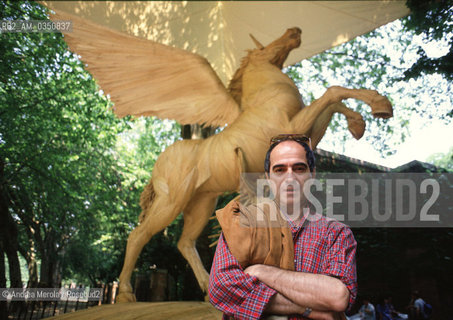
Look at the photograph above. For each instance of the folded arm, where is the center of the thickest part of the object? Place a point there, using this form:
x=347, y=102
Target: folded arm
x=330, y=291
x=234, y=292
x=279, y=304
x=319, y=292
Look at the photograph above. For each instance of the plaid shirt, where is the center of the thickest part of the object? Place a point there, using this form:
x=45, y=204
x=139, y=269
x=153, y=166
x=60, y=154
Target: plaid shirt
x=322, y=247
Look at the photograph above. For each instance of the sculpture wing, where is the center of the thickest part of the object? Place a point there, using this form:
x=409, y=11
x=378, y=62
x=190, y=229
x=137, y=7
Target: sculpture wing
x=145, y=78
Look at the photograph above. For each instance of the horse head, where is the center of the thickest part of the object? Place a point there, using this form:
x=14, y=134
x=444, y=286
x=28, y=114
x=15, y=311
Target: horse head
x=277, y=51
x=274, y=53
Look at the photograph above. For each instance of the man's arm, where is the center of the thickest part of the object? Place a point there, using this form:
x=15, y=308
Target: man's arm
x=332, y=290
x=279, y=304
x=232, y=291
x=319, y=292
x=245, y=297
x=339, y=261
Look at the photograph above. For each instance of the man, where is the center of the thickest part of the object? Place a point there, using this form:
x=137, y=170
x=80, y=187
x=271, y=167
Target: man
x=324, y=281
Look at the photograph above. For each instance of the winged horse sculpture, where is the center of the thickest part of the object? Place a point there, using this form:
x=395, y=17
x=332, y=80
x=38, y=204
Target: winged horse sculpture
x=147, y=78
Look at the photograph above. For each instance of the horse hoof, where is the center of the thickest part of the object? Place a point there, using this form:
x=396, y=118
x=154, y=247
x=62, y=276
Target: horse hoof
x=125, y=297
x=356, y=127
x=381, y=107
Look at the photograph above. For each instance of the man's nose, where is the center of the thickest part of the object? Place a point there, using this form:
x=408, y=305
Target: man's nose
x=290, y=175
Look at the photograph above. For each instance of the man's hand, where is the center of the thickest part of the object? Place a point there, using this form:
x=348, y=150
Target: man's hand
x=319, y=292
x=253, y=270
x=279, y=304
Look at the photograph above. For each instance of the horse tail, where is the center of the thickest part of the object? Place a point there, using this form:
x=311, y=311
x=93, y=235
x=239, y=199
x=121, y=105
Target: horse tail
x=146, y=199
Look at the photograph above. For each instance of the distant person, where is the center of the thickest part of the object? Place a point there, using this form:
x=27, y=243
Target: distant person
x=384, y=309
x=367, y=311
x=420, y=307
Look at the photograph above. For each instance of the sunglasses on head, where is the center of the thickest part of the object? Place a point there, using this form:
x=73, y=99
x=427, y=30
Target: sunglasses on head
x=291, y=137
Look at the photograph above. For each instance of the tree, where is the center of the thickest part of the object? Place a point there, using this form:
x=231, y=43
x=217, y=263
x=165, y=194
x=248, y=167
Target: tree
x=71, y=187
x=60, y=173
x=433, y=20
x=442, y=160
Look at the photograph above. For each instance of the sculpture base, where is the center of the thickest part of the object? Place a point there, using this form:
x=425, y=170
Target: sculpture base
x=177, y=310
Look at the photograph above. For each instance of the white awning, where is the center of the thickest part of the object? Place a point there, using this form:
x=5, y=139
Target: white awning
x=219, y=30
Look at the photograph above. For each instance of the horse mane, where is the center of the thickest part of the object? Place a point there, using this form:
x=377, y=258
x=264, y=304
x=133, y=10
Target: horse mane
x=275, y=54
x=235, y=85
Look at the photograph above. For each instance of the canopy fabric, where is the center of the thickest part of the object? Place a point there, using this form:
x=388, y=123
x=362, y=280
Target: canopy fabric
x=219, y=30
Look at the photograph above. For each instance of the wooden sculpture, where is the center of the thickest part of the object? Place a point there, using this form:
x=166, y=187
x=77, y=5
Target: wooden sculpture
x=148, y=78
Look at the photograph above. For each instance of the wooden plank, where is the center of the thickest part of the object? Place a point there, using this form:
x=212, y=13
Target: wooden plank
x=181, y=310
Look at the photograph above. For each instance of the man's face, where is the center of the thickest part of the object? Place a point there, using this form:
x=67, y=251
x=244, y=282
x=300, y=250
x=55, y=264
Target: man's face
x=289, y=170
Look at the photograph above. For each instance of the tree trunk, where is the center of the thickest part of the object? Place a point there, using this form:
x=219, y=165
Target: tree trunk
x=29, y=254
x=3, y=313
x=32, y=273
x=13, y=259
x=50, y=276
x=8, y=243
x=45, y=274
x=8, y=233
x=56, y=274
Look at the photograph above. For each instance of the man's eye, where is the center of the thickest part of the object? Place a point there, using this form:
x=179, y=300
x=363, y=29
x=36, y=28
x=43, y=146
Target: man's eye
x=279, y=170
x=300, y=169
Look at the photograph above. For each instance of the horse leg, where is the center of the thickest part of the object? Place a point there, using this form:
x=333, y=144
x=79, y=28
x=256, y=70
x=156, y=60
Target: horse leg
x=303, y=121
x=159, y=215
x=380, y=105
x=356, y=124
x=196, y=216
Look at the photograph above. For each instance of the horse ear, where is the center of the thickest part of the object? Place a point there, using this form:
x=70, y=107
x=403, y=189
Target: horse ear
x=257, y=43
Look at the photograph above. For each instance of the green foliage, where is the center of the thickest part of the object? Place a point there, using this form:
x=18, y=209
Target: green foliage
x=58, y=141
x=73, y=171
x=433, y=20
x=443, y=160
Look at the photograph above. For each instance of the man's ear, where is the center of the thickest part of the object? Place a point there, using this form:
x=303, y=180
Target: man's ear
x=313, y=174
x=266, y=174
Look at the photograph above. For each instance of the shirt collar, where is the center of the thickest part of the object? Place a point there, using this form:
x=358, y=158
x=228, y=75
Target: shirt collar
x=296, y=227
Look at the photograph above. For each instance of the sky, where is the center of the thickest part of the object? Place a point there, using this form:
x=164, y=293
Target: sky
x=435, y=137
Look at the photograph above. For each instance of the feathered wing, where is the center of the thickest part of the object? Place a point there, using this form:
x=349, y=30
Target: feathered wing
x=145, y=78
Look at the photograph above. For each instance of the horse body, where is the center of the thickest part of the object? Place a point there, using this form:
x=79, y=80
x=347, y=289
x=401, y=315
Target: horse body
x=270, y=100
x=190, y=175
